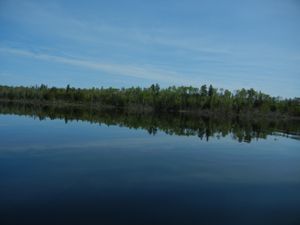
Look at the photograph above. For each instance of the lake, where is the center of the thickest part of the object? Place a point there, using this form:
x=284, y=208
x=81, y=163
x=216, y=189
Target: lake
x=83, y=167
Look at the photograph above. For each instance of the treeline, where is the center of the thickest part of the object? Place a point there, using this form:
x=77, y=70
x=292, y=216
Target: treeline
x=205, y=127
x=171, y=99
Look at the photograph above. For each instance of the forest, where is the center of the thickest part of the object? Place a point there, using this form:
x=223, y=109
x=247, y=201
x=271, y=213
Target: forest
x=172, y=99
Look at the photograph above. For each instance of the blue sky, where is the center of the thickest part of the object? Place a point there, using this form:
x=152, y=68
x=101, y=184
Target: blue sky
x=230, y=44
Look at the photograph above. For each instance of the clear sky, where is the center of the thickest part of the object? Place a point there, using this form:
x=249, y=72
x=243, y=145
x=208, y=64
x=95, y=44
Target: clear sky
x=230, y=44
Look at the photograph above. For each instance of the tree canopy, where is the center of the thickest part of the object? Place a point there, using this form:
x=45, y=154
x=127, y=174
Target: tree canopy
x=182, y=98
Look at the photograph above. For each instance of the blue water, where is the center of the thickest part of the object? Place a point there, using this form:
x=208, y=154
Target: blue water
x=82, y=173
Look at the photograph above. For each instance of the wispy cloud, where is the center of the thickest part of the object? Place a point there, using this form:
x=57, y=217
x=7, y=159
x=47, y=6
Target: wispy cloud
x=154, y=74
x=53, y=20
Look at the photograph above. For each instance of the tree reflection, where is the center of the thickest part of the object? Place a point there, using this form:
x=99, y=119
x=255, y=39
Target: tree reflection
x=205, y=127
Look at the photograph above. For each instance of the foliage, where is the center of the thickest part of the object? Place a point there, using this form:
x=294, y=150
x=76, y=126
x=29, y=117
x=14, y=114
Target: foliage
x=171, y=99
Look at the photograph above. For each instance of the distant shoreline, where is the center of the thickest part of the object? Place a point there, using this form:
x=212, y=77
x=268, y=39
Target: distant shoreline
x=205, y=101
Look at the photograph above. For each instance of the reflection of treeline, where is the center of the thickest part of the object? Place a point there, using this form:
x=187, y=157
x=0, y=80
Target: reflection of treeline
x=171, y=123
x=156, y=99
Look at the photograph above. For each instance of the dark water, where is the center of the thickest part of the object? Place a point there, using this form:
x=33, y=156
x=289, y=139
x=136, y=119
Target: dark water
x=52, y=172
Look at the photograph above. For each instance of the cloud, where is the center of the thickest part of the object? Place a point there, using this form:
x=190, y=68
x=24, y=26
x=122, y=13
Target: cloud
x=111, y=68
x=54, y=20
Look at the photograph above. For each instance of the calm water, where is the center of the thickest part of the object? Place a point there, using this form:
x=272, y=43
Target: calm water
x=52, y=172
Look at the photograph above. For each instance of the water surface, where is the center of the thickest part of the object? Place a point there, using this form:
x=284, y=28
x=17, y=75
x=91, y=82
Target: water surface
x=53, y=172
